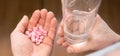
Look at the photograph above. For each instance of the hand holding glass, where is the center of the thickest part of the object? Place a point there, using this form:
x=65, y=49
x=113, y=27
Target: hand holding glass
x=79, y=17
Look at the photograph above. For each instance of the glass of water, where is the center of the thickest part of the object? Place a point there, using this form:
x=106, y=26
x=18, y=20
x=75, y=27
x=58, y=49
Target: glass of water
x=79, y=17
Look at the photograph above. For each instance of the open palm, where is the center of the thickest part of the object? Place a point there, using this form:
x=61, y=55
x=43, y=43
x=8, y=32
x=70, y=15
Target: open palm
x=23, y=46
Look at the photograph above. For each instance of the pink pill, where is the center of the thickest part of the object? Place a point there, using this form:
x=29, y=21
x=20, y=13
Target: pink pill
x=27, y=32
x=40, y=40
x=33, y=38
x=41, y=37
x=33, y=33
x=37, y=43
x=36, y=40
x=45, y=32
x=40, y=27
x=35, y=28
x=36, y=34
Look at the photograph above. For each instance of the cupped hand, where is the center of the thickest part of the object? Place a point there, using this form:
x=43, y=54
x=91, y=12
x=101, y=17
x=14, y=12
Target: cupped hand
x=100, y=36
x=23, y=46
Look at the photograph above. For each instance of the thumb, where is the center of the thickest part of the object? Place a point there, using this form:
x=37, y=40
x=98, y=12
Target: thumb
x=78, y=48
x=22, y=24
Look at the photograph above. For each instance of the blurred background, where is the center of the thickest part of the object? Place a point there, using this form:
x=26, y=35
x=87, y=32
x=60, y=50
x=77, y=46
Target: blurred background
x=11, y=11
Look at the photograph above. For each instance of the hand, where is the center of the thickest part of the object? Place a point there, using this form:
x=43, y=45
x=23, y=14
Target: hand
x=100, y=36
x=23, y=46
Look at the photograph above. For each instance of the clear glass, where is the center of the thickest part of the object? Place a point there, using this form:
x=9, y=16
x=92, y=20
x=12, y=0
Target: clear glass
x=79, y=17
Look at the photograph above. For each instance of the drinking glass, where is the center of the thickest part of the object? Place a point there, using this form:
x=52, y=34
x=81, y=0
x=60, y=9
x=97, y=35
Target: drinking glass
x=79, y=18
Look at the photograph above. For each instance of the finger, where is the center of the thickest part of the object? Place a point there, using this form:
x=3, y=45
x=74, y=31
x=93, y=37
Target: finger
x=34, y=19
x=49, y=17
x=60, y=30
x=42, y=17
x=52, y=30
x=65, y=44
x=22, y=24
x=78, y=48
x=48, y=41
x=60, y=41
x=51, y=34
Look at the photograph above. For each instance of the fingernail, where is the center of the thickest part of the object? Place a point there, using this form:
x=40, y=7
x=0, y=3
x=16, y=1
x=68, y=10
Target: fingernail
x=60, y=31
x=36, y=11
x=44, y=9
x=51, y=13
x=25, y=16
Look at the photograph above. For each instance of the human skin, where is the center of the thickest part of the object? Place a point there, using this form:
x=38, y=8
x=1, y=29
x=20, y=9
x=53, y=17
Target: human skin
x=21, y=44
x=99, y=37
x=115, y=52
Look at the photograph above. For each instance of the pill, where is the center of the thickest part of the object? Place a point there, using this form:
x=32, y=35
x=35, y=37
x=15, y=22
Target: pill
x=33, y=38
x=41, y=37
x=36, y=34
